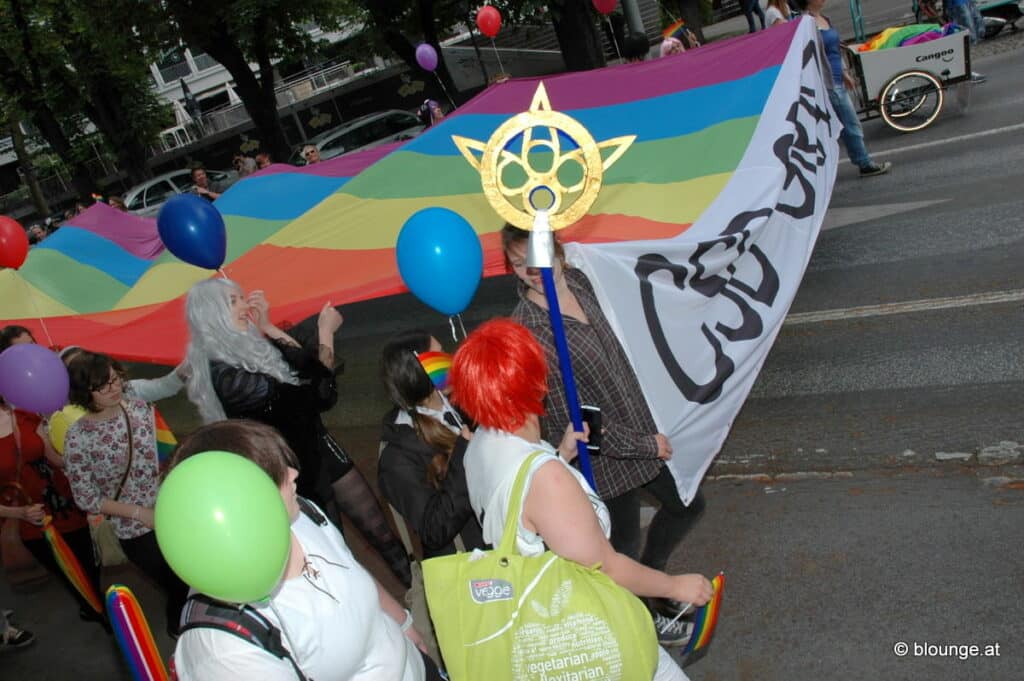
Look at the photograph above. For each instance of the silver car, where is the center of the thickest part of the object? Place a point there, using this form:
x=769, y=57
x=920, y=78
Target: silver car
x=364, y=132
x=147, y=198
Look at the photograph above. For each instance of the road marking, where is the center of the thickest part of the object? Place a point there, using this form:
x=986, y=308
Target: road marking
x=903, y=308
x=947, y=140
x=851, y=215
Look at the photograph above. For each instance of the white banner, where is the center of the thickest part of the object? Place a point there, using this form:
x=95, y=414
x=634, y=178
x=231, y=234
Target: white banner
x=698, y=313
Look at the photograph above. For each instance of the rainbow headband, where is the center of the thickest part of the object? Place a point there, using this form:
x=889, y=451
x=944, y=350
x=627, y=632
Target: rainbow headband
x=437, y=365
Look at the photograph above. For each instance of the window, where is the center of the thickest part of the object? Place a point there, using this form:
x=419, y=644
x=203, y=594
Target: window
x=159, y=192
x=396, y=123
x=172, y=65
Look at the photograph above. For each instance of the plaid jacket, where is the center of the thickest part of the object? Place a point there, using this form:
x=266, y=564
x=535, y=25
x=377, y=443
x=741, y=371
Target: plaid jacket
x=604, y=378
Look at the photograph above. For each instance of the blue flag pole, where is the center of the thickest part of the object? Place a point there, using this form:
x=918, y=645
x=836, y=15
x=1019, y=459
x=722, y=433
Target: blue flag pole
x=541, y=254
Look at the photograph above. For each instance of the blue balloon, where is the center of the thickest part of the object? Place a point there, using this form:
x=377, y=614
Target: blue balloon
x=440, y=259
x=193, y=230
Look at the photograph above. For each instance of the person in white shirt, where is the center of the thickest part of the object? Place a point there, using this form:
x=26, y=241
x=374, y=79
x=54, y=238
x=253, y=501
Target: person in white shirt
x=336, y=621
x=499, y=378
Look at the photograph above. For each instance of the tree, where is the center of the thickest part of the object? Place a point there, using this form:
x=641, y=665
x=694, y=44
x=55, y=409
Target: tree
x=238, y=33
x=577, y=38
x=63, y=68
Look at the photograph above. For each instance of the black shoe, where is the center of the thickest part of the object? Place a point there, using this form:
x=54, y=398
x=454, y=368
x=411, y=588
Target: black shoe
x=672, y=633
x=875, y=169
x=669, y=607
x=15, y=638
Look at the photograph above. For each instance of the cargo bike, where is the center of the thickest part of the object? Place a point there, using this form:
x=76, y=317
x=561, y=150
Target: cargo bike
x=907, y=85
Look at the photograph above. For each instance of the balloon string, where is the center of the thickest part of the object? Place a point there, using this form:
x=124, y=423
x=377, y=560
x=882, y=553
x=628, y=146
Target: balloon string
x=39, y=315
x=222, y=272
x=462, y=326
x=615, y=42
x=451, y=323
x=445, y=90
x=496, y=54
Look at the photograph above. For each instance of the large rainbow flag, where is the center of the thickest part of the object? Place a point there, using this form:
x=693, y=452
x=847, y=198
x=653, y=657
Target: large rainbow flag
x=328, y=231
x=696, y=244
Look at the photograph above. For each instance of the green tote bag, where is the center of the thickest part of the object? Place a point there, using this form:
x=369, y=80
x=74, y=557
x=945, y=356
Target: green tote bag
x=501, y=616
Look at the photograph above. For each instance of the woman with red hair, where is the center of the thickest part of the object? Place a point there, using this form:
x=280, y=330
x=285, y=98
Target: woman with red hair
x=499, y=378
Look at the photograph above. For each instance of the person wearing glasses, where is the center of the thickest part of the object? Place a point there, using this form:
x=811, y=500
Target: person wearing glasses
x=311, y=154
x=110, y=457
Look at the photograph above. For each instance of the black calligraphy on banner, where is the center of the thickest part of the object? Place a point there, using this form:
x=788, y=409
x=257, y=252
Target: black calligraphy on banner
x=801, y=153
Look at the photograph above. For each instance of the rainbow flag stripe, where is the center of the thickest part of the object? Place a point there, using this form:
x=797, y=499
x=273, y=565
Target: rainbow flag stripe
x=105, y=282
x=706, y=618
x=437, y=365
x=133, y=635
x=70, y=566
x=165, y=440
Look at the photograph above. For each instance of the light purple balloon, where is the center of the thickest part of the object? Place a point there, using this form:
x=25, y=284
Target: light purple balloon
x=33, y=378
x=426, y=57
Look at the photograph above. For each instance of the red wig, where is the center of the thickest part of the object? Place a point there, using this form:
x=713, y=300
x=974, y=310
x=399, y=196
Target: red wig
x=499, y=376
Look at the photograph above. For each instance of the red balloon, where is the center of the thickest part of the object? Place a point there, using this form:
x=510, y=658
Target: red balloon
x=13, y=243
x=488, y=20
x=605, y=6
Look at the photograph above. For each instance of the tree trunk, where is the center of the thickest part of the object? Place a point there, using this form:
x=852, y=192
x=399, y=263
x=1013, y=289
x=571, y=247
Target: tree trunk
x=577, y=38
x=27, y=170
x=444, y=78
x=689, y=11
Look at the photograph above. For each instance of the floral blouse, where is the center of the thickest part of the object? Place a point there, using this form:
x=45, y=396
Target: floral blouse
x=95, y=458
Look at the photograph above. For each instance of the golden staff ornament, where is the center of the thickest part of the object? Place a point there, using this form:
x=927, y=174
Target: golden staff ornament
x=523, y=204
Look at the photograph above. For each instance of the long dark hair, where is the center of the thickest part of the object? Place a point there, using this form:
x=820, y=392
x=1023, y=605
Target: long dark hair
x=408, y=385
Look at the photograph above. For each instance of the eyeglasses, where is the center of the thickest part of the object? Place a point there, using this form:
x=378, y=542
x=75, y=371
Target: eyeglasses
x=309, y=152
x=108, y=386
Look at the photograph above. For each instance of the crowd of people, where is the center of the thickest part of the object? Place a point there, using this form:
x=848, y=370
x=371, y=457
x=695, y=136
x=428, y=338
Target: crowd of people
x=445, y=467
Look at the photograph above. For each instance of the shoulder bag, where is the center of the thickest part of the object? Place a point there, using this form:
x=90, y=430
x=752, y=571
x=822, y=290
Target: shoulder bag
x=106, y=546
x=501, y=616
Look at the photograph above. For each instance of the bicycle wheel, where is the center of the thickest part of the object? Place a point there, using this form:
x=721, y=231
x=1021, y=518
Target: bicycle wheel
x=911, y=101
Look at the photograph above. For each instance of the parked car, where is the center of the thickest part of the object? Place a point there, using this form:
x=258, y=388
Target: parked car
x=146, y=198
x=364, y=132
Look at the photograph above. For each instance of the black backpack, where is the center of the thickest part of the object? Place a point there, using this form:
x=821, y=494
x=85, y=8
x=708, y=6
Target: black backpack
x=244, y=621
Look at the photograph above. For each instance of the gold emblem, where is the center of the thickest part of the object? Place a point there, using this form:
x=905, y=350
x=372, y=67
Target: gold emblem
x=541, y=160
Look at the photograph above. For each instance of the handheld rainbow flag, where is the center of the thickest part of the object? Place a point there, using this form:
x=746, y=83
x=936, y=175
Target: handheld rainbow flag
x=706, y=617
x=70, y=566
x=133, y=635
x=165, y=440
x=437, y=365
x=672, y=28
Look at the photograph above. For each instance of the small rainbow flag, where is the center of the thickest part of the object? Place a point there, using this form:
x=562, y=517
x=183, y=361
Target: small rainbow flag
x=133, y=635
x=672, y=28
x=437, y=365
x=165, y=440
x=70, y=566
x=706, y=617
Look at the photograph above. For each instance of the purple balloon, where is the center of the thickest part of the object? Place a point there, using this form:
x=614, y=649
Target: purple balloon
x=33, y=378
x=426, y=57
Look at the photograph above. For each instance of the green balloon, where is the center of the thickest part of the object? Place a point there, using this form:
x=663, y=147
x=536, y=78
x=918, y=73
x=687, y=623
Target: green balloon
x=223, y=527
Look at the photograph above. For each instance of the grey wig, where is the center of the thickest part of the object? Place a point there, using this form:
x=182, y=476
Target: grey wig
x=214, y=336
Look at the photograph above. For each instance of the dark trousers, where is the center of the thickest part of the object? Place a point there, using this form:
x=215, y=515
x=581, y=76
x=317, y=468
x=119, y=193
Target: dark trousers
x=144, y=552
x=750, y=8
x=80, y=543
x=670, y=524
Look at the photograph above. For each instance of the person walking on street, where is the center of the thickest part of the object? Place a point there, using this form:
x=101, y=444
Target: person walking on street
x=853, y=134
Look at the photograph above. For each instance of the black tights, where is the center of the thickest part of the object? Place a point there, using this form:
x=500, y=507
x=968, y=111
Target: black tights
x=355, y=499
x=670, y=524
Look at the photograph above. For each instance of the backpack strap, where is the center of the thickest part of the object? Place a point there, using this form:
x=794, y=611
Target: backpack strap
x=244, y=622
x=311, y=511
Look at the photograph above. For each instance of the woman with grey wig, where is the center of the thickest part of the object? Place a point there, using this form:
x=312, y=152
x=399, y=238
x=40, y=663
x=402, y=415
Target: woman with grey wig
x=243, y=366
